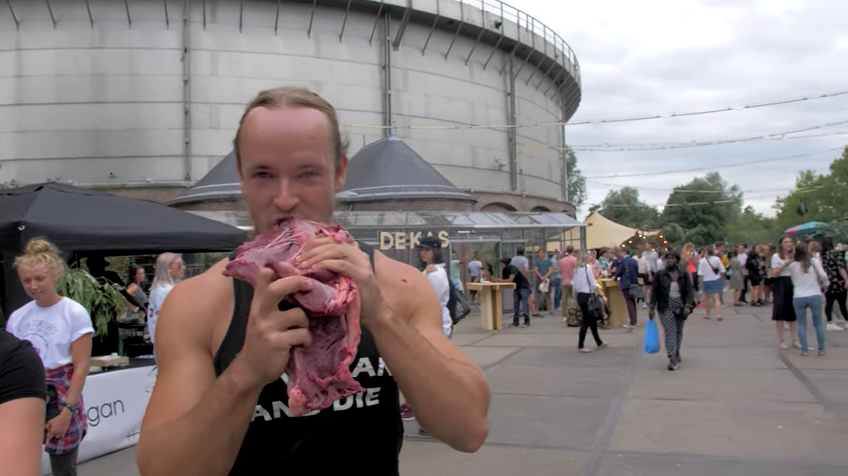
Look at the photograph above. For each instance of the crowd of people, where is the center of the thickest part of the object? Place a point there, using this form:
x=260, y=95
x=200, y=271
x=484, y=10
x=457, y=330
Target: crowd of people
x=791, y=277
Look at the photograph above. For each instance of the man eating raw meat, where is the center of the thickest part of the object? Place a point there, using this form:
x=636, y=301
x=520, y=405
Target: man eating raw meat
x=230, y=353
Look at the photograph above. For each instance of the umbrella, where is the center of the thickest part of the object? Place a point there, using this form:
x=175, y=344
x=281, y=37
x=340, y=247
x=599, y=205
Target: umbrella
x=808, y=228
x=80, y=219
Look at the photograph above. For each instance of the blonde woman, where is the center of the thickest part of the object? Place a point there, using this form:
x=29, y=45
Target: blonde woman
x=169, y=270
x=60, y=330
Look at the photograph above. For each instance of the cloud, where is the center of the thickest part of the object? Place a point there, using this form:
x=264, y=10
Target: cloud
x=666, y=56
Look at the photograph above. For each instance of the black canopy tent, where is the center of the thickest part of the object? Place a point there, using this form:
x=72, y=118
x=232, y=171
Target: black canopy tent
x=79, y=220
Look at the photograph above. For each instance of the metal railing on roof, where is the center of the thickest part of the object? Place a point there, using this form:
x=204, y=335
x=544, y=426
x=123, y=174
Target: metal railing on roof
x=532, y=25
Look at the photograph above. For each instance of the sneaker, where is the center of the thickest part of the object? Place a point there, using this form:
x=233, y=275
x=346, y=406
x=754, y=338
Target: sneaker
x=784, y=345
x=628, y=326
x=513, y=325
x=423, y=432
x=526, y=324
x=406, y=413
x=585, y=350
x=832, y=326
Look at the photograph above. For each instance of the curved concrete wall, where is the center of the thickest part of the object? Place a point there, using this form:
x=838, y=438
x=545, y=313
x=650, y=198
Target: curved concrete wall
x=100, y=99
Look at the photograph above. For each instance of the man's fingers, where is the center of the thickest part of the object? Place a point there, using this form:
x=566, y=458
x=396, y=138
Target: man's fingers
x=315, y=244
x=265, y=277
x=292, y=319
x=295, y=337
x=326, y=253
x=280, y=288
x=344, y=268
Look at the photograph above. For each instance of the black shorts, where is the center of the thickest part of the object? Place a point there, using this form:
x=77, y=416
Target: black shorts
x=646, y=279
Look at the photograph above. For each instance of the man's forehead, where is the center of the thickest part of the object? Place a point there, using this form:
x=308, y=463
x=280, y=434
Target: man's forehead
x=287, y=120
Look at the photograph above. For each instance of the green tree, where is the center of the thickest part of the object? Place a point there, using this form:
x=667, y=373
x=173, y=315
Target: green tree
x=9, y=184
x=752, y=227
x=702, y=209
x=575, y=182
x=625, y=207
x=825, y=196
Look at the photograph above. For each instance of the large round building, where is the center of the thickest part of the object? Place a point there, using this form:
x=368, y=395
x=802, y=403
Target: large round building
x=143, y=97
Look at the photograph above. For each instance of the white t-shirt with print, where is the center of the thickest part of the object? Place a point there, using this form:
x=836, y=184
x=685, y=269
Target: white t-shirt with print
x=51, y=330
x=706, y=265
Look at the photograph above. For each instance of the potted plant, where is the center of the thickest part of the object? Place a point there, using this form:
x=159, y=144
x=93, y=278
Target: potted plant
x=100, y=297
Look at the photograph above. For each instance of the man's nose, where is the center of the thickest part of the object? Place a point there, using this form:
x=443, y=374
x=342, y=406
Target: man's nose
x=286, y=199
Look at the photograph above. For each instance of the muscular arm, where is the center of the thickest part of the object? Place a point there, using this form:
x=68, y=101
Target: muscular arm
x=195, y=423
x=425, y=367
x=22, y=394
x=20, y=436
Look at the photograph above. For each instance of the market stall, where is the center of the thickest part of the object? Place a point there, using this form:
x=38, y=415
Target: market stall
x=84, y=222
x=80, y=220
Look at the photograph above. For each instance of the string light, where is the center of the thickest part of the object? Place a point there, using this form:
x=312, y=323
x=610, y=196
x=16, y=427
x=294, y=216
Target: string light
x=714, y=167
x=683, y=190
x=689, y=145
x=598, y=121
x=638, y=146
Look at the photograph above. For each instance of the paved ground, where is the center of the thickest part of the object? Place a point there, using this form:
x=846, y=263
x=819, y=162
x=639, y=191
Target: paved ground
x=737, y=406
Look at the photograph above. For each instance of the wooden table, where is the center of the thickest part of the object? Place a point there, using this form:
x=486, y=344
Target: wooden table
x=491, y=303
x=617, y=305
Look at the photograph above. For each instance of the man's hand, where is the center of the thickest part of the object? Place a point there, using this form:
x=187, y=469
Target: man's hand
x=347, y=260
x=272, y=333
x=58, y=426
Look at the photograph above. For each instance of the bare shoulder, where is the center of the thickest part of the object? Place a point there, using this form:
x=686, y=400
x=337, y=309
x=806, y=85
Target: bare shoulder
x=191, y=315
x=405, y=289
x=195, y=306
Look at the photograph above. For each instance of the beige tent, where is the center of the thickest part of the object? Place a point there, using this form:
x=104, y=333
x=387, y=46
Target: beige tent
x=602, y=232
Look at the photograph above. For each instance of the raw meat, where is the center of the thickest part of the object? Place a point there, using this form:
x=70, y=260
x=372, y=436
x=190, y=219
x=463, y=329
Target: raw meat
x=318, y=374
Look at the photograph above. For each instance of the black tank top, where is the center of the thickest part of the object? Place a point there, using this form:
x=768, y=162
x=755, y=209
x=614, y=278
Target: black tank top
x=362, y=433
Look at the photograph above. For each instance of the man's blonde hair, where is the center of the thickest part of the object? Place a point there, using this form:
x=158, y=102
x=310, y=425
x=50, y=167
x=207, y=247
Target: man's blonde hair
x=295, y=97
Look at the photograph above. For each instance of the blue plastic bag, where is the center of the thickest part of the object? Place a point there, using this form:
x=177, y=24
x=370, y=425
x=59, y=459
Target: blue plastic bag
x=652, y=337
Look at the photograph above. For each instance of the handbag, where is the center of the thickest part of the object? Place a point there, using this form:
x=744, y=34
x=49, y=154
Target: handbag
x=595, y=305
x=458, y=308
x=652, y=337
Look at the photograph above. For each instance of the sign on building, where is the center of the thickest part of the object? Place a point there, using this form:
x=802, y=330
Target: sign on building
x=400, y=240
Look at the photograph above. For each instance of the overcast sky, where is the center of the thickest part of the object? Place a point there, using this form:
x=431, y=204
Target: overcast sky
x=666, y=56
